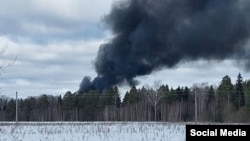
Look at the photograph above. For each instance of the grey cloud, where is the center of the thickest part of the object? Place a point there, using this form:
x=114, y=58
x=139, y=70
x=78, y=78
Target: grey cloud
x=40, y=21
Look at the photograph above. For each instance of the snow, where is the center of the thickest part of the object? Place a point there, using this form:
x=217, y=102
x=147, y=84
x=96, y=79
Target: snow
x=92, y=131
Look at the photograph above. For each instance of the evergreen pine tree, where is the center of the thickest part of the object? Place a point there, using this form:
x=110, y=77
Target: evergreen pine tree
x=224, y=90
x=238, y=96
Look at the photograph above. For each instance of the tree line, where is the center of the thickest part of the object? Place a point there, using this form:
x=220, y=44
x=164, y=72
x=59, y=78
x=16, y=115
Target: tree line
x=203, y=103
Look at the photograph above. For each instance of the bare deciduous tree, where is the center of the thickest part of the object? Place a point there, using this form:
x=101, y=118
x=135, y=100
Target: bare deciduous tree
x=3, y=63
x=154, y=95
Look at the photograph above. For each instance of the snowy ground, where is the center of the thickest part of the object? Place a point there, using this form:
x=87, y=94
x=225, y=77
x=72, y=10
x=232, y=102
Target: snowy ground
x=92, y=131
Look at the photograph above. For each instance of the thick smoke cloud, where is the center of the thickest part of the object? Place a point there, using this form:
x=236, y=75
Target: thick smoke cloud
x=85, y=84
x=155, y=34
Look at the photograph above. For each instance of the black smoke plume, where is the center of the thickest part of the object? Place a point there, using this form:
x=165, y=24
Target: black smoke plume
x=155, y=34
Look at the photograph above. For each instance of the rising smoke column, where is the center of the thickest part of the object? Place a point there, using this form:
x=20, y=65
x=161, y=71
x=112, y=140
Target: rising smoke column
x=155, y=34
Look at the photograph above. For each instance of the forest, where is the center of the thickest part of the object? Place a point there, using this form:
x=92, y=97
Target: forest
x=227, y=102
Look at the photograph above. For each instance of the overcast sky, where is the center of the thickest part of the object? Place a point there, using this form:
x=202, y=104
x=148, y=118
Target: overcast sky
x=55, y=43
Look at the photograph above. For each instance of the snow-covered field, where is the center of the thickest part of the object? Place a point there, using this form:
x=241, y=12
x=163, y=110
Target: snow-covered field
x=92, y=131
